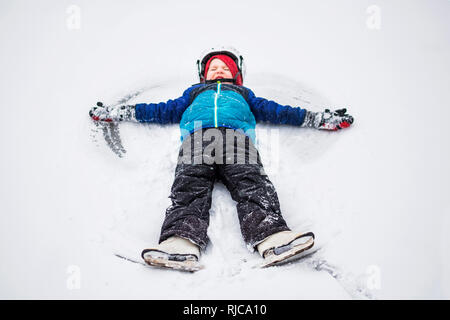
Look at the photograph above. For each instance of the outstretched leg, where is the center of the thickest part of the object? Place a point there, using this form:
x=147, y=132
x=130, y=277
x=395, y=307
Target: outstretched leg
x=188, y=216
x=257, y=201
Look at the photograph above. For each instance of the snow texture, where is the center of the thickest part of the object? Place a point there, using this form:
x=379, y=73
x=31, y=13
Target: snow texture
x=376, y=195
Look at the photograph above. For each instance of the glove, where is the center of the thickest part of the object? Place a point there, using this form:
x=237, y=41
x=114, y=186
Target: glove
x=110, y=114
x=328, y=120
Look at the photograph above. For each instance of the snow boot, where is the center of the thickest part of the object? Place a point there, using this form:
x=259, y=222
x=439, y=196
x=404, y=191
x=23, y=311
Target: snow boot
x=285, y=246
x=174, y=253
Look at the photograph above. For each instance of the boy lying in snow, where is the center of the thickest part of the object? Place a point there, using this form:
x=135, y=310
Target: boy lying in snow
x=220, y=107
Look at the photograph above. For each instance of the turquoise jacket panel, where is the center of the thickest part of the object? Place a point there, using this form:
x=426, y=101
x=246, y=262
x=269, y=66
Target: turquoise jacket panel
x=221, y=108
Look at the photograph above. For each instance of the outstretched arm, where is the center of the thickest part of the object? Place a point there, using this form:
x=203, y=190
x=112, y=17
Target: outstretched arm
x=270, y=111
x=163, y=113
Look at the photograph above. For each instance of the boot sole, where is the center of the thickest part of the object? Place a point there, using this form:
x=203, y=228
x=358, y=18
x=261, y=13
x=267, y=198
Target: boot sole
x=165, y=262
x=190, y=266
x=297, y=252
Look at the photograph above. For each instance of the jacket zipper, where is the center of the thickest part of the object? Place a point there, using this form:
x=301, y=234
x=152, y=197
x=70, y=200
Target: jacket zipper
x=215, y=104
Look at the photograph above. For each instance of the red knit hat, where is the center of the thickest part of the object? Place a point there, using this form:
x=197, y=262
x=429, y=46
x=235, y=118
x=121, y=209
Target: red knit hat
x=230, y=64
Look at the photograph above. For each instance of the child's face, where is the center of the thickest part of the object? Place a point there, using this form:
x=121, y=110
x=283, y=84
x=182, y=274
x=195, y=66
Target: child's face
x=218, y=70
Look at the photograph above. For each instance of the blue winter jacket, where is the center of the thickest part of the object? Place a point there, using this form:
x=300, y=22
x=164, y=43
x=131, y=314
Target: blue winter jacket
x=219, y=105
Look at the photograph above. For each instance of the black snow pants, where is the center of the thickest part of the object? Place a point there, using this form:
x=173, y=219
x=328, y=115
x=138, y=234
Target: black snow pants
x=227, y=155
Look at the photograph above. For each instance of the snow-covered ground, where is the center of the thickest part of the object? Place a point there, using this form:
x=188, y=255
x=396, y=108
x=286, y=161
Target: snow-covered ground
x=377, y=192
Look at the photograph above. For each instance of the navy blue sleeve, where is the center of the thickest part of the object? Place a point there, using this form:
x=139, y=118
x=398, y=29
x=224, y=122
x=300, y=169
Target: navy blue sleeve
x=269, y=111
x=164, y=112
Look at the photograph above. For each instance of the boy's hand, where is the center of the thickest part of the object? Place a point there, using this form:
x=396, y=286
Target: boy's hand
x=328, y=120
x=110, y=114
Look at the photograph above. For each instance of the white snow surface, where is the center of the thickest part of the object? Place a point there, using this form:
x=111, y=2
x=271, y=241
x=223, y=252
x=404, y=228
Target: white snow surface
x=377, y=193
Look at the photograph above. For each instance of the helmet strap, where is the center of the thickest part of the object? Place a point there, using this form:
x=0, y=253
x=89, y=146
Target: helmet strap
x=221, y=80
